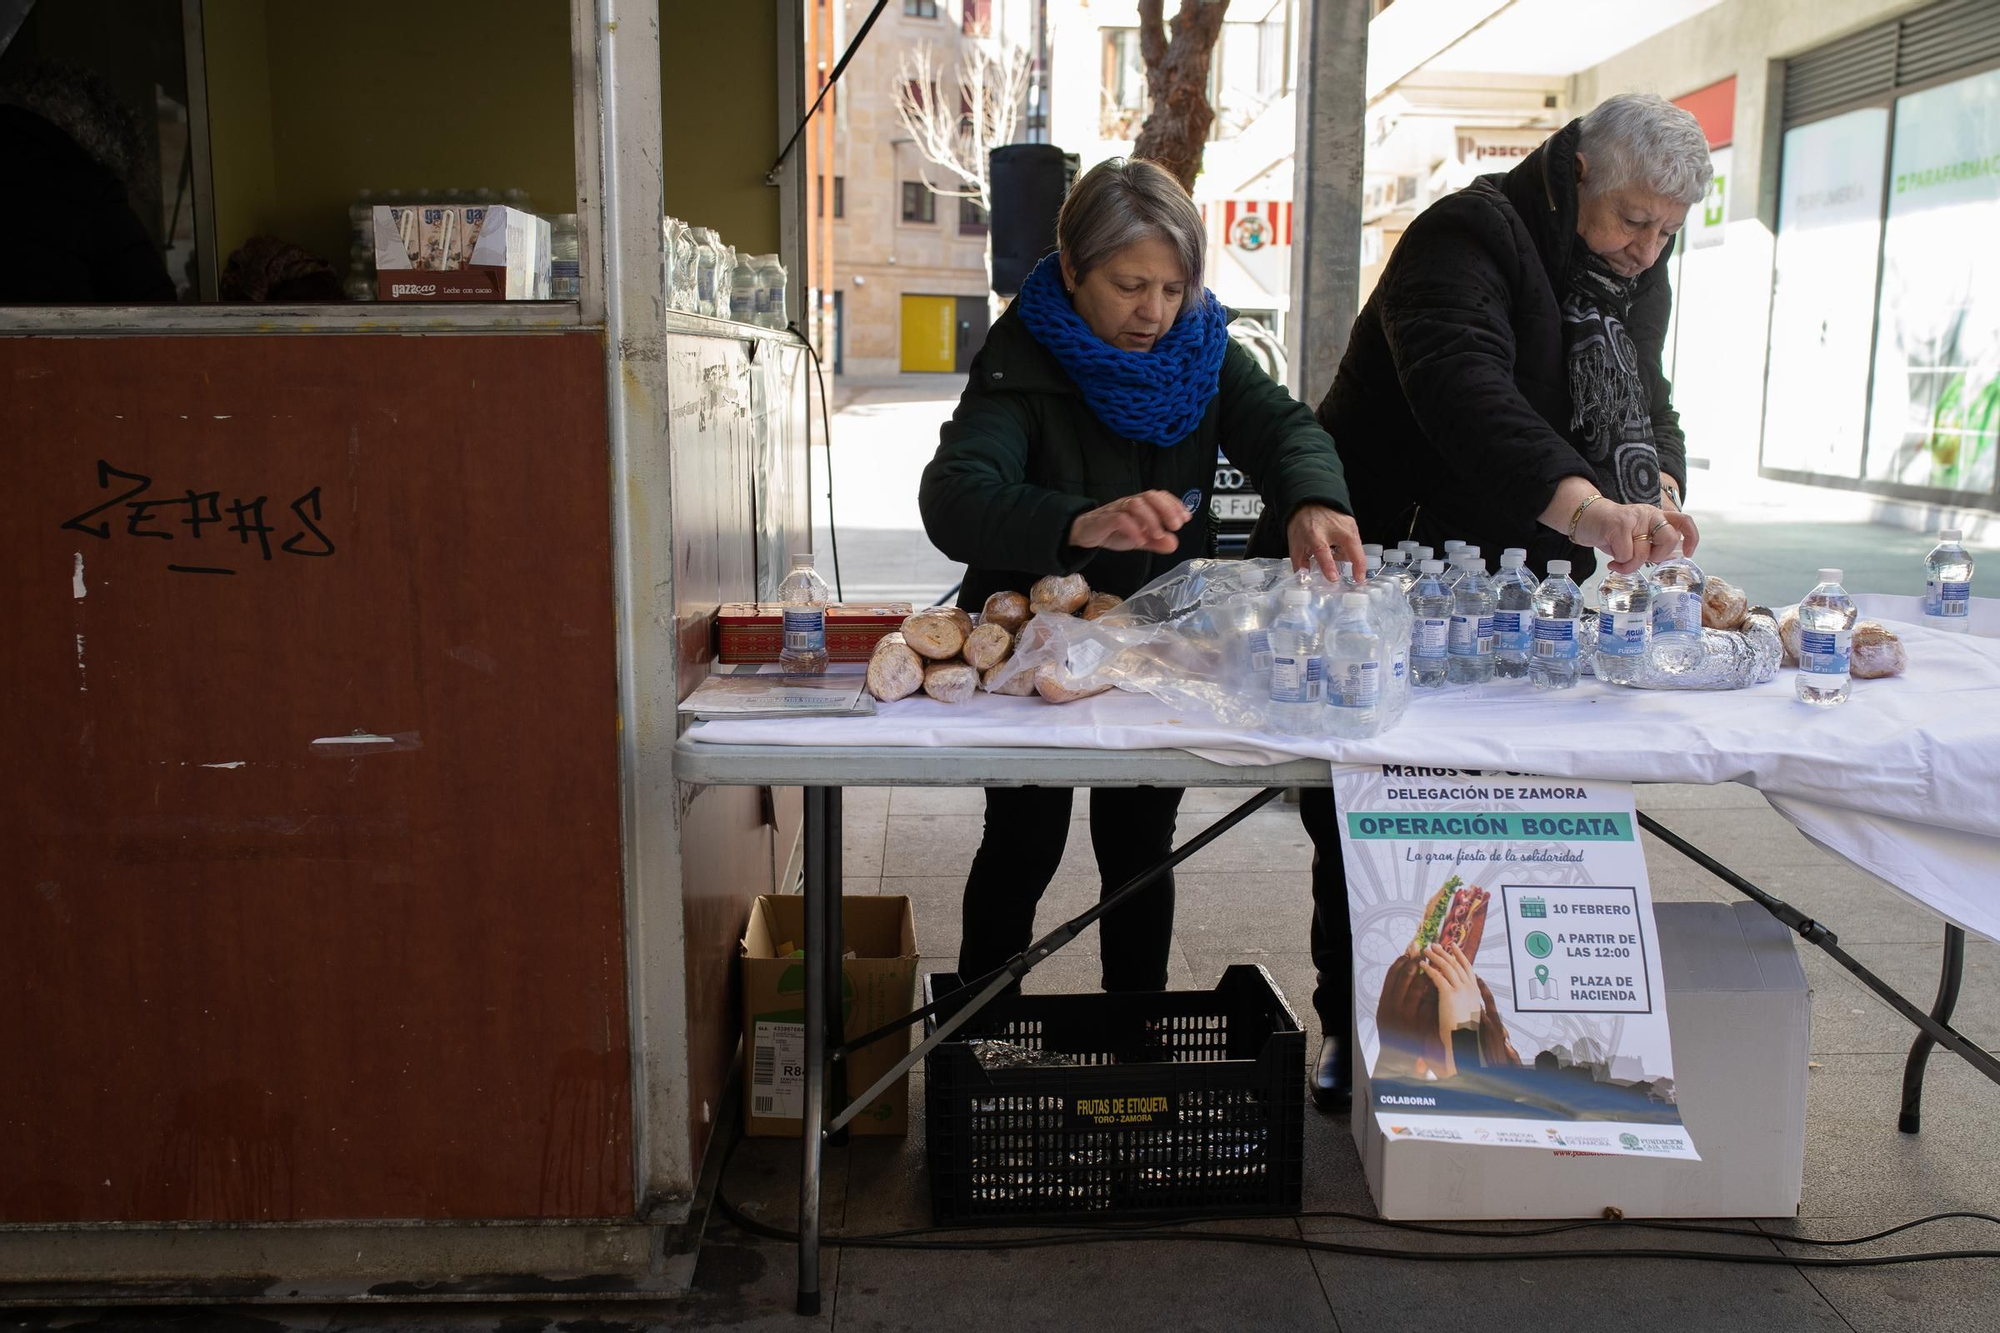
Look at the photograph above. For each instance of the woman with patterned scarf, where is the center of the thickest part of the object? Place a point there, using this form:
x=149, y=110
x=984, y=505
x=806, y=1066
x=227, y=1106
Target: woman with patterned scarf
x=1086, y=442
x=1503, y=386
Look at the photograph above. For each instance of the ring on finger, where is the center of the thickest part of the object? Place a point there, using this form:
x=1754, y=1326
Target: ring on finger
x=1657, y=526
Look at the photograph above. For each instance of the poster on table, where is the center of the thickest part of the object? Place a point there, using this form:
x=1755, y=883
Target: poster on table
x=1506, y=967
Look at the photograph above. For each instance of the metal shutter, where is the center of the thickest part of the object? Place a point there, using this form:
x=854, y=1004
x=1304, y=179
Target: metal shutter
x=1947, y=38
x=1924, y=47
x=1860, y=65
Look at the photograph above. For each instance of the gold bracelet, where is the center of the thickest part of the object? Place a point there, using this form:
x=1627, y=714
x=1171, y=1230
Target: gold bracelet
x=1577, y=517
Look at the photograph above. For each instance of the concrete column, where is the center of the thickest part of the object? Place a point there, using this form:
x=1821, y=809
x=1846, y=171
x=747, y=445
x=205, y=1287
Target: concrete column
x=1326, y=244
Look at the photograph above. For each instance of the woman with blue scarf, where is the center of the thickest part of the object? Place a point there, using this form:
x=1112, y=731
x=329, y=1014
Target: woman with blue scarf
x=1086, y=442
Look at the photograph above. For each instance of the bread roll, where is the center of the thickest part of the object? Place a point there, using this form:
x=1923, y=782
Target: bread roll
x=950, y=682
x=1723, y=606
x=1008, y=610
x=1788, y=635
x=934, y=634
x=959, y=615
x=894, y=672
x=1048, y=684
x=1064, y=594
x=1016, y=683
x=1877, y=652
x=1099, y=603
x=987, y=647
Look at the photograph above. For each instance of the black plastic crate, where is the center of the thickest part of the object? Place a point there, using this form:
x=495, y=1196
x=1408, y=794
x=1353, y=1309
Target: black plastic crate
x=1181, y=1103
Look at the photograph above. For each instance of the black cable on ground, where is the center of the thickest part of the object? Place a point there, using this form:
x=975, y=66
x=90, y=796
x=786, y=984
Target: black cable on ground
x=826, y=431
x=1102, y=1233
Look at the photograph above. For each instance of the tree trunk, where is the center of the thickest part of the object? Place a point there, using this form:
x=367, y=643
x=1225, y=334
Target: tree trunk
x=1177, y=125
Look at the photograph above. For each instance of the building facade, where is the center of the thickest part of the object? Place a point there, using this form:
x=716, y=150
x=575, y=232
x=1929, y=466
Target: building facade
x=1099, y=101
x=907, y=287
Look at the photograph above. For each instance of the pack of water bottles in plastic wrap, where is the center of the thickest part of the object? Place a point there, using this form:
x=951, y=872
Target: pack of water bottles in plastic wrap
x=1247, y=642
x=1255, y=644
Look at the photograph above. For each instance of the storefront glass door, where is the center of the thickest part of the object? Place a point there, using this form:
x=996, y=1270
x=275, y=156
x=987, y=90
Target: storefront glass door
x=1936, y=405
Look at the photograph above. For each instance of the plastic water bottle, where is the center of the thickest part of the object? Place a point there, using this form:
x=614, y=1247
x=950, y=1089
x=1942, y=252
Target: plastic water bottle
x=1409, y=549
x=1396, y=565
x=1430, y=632
x=1624, y=625
x=1372, y=552
x=1513, y=614
x=1472, y=624
x=1353, y=671
x=1948, y=584
x=1460, y=562
x=1826, y=633
x=1421, y=554
x=1558, y=605
x=1677, y=586
x=1389, y=609
x=1298, y=671
x=1248, y=615
x=804, y=595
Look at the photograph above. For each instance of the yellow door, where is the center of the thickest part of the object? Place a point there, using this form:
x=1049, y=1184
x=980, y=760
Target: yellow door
x=930, y=333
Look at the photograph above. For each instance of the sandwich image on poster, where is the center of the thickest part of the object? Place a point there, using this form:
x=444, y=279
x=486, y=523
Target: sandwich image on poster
x=1507, y=970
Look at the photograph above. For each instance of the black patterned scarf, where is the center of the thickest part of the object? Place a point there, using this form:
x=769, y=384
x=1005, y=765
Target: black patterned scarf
x=1607, y=393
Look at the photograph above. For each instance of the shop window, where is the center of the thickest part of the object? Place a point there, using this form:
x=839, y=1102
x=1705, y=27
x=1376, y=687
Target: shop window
x=1936, y=407
x=1123, y=88
x=1823, y=300
x=920, y=9
x=301, y=144
x=101, y=89
x=972, y=219
x=919, y=204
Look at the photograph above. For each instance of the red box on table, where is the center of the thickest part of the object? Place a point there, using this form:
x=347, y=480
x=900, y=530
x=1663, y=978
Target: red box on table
x=753, y=632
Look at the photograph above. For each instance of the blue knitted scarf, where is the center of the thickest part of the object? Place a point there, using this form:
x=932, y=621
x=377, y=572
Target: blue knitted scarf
x=1157, y=396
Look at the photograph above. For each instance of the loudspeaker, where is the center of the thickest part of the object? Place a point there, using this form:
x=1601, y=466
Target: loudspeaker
x=1029, y=181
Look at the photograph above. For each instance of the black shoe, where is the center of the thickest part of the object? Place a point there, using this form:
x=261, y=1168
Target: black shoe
x=1333, y=1077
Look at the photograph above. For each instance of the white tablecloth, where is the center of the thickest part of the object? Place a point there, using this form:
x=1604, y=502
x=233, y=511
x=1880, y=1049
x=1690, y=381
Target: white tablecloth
x=1904, y=779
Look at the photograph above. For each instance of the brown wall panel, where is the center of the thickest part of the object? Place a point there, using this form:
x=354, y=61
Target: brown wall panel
x=249, y=970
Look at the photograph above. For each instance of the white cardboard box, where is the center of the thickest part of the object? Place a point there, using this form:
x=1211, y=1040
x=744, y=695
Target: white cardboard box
x=1741, y=1018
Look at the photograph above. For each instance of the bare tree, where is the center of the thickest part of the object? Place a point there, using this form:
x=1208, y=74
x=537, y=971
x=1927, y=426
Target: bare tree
x=1176, y=129
x=954, y=131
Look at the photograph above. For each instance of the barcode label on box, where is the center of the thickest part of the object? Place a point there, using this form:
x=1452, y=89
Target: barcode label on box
x=778, y=1070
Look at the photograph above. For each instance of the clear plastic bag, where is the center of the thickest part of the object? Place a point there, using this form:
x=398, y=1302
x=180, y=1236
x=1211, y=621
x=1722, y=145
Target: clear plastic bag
x=1187, y=639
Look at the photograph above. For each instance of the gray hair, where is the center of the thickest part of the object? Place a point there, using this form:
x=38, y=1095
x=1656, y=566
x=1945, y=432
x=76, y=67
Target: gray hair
x=1123, y=201
x=1643, y=139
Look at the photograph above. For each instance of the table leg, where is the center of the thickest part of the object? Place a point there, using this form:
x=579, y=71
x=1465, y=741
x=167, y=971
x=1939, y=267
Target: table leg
x=836, y=971
x=1920, y=1050
x=811, y=1142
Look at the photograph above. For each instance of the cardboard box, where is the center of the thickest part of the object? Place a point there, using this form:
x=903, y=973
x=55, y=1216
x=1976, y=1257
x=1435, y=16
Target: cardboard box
x=1741, y=1017
x=754, y=632
x=878, y=982
x=460, y=252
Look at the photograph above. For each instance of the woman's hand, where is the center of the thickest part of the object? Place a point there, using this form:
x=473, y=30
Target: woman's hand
x=1690, y=534
x=1319, y=535
x=1143, y=522
x=1632, y=535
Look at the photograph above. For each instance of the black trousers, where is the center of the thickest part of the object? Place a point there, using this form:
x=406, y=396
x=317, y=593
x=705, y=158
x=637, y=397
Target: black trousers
x=1332, y=931
x=1131, y=829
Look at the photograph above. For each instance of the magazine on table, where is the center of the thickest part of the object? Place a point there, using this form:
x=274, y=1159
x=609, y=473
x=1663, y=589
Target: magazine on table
x=760, y=691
